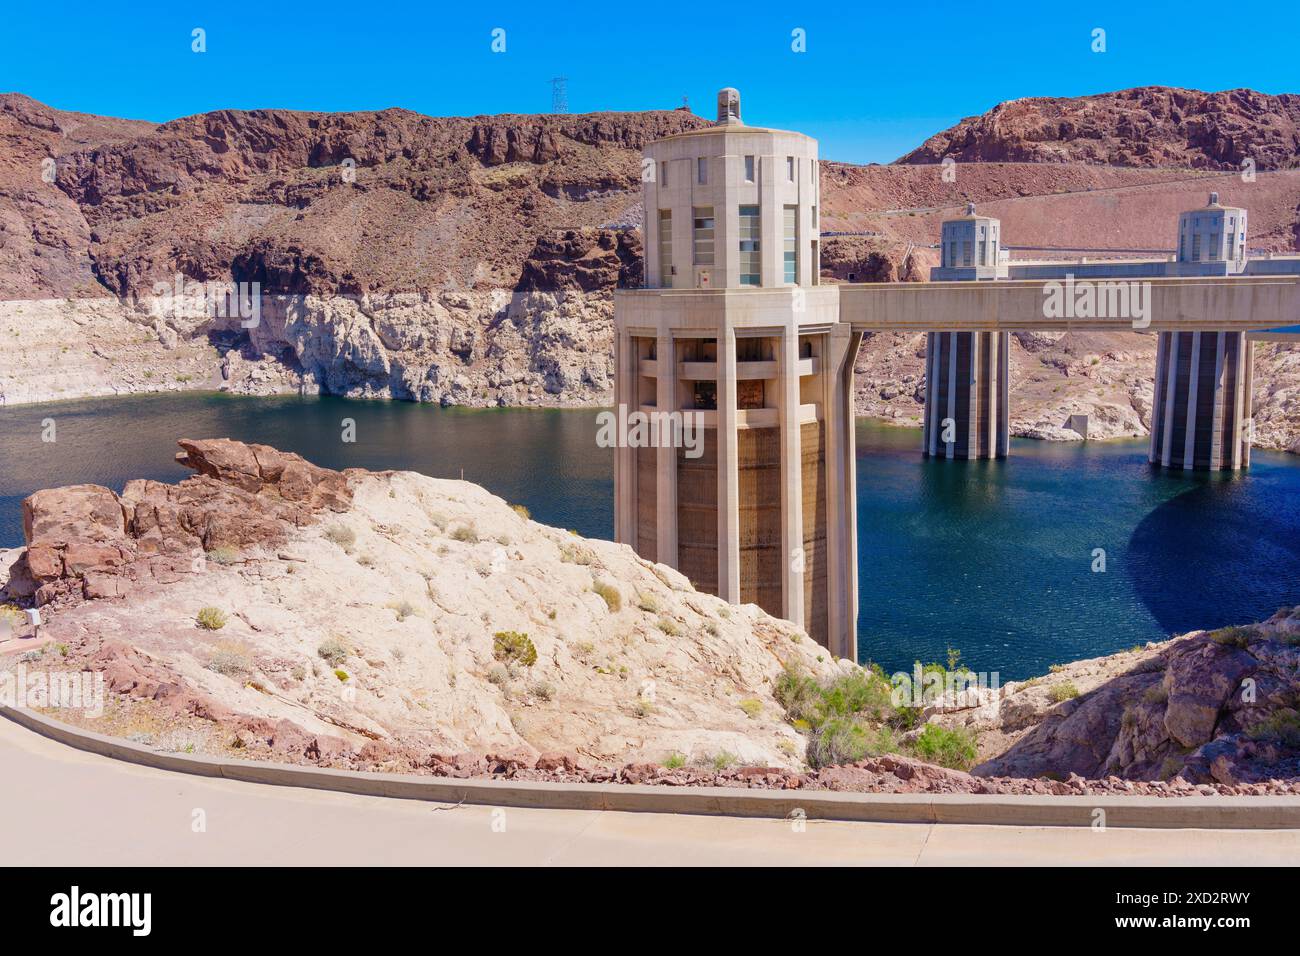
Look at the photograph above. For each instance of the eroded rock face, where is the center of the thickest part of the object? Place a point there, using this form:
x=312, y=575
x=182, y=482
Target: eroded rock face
x=85, y=542
x=1204, y=708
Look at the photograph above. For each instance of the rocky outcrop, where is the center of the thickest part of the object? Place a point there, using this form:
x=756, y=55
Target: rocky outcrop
x=1147, y=126
x=394, y=621
x=86, y=542
x=1217, y=708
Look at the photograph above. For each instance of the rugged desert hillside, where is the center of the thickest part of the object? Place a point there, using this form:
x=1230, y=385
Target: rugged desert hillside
x=392, y=613
x=1149, y=126
x=471, y=260
x=268, y=608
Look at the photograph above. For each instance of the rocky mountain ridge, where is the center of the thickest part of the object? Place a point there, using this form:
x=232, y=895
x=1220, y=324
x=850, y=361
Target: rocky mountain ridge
x=1149, y=126
x=471, y=261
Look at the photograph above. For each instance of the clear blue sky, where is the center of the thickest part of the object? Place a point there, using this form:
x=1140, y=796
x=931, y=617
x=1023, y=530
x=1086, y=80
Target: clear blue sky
x=876, y=80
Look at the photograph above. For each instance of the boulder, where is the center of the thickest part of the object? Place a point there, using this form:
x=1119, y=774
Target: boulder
x=1199, y=683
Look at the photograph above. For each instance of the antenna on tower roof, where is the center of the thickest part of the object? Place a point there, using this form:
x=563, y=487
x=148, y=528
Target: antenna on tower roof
x=560, y=94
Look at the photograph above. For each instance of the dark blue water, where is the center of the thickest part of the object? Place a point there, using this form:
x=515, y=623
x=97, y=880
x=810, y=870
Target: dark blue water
x=991, y=558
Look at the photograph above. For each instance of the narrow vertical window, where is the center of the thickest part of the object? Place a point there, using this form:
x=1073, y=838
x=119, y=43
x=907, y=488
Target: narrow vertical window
x=1196, y=247
x=750, y=268
x=749, y=169
x=966, y=252
x=665, y=248
x=663, y=173
x=1214, y=246
x=789, y=168
x=790, y=252
x=702, y=217
x=702, y=169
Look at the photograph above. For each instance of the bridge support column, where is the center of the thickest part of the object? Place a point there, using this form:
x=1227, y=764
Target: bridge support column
x=966, y=394
x=1200, y=415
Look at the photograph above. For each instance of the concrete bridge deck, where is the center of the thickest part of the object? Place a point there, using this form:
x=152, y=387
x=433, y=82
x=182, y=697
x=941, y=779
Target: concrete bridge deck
x=1219, y=304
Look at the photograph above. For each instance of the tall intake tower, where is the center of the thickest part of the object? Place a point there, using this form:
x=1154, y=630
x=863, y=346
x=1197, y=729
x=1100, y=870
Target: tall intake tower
x=734, y=333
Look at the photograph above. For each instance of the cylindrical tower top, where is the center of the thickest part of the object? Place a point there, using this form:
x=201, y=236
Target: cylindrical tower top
x=729, y=106
x=729, y=206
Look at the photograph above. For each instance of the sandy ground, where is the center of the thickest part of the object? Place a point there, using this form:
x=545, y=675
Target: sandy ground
x=81, y=809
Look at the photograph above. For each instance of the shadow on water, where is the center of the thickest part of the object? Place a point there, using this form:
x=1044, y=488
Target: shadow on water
x=1219, y=553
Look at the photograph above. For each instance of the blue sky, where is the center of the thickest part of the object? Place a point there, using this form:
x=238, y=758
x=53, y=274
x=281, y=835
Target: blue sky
x=875, y=81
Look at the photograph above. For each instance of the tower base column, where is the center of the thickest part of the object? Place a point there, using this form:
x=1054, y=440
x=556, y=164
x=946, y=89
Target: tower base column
x=1201, y=407
x=966, y=394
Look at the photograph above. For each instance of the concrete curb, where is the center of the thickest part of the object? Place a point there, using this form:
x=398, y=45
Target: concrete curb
x=1255, y=813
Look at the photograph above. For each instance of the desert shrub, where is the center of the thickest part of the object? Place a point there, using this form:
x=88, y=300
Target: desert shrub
x=211, y=618
x=797, y=692
x=511, y=646
x=1282, y=726
x=667, y=626
x=613, y=599
x=642, y=707
x=723, y=760
x=1233, y=636
x=466, y=533
x=542, y=690
x=842, y=740
x=498, y=674
x=333, y=651
x=223, y=555
x=1063, y=692
x=1156, y=694
x=712, y=629
x=341, y=674
x=954, y=748
x=648, y=603
x=522, y=511
x=675, y=760
x=860, y=691
x=752, y=707
x=403, y=609
x=12, y=615
x=231, y=660
x=341, y=535
x=575, y=554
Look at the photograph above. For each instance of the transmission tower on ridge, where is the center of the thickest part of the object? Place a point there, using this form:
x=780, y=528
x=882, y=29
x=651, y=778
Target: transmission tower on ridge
x=560, y=94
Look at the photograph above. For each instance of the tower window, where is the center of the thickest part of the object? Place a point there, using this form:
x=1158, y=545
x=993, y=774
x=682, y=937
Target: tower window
x=665, y=248
x=702, y=169
x=749, y=169
x=750, y=268
x=789, y=168
x=790, y=242
x=966, y=252
x=663, y=173
x=703, y=235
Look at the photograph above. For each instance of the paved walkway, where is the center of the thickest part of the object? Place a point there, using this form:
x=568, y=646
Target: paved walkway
x=65, y=807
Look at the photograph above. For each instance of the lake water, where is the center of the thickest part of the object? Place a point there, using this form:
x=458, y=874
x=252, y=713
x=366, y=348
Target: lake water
x=992, y=558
